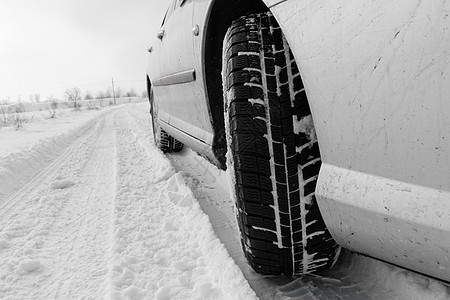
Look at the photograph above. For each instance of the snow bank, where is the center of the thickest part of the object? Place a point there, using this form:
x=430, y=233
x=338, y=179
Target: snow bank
x=25, y=152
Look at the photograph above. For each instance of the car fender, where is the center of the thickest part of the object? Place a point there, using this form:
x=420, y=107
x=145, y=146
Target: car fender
x=377, y=78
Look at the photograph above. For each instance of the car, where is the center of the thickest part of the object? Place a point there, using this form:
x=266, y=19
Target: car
x=332, y=119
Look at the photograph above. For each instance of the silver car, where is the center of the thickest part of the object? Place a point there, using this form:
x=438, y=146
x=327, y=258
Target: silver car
x=332, y=119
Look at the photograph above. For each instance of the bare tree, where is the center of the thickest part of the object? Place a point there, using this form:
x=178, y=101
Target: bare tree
x=15, y=114
x=4, y=105
x=72, y=96
x=53, y=107
x=131, y=93
x=35, y=98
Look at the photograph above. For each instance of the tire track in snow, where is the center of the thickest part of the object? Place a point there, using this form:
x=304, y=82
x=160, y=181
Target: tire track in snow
x=20, y=203
x=10, y=201
x=140, y=176
x=164, y=246
x=89, y=245
x=19, y=168
x=56, y=246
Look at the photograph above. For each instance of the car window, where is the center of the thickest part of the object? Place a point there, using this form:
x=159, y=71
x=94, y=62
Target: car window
x=169, y=11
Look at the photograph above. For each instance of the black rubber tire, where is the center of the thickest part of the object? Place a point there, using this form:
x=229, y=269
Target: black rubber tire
x=273, y=161
x=165, y=142
x=177, y=146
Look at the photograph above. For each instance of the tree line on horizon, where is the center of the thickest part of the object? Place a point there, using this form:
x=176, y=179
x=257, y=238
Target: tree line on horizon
x=11, y=111
x=75, y=94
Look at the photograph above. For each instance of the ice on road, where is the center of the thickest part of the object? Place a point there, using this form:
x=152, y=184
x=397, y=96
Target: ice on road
x=96, y=211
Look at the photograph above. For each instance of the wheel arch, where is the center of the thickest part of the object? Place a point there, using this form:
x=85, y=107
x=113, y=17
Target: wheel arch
x=226, y=11
x=149, y=88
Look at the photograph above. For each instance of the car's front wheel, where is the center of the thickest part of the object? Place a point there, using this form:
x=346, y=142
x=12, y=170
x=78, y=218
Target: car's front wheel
x=273, y=156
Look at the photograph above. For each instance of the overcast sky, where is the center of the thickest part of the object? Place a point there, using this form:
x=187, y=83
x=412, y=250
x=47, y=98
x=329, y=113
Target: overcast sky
x=47, y=46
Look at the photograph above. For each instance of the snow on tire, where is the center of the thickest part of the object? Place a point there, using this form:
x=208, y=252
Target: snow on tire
x=273, y=155
x=163, y=140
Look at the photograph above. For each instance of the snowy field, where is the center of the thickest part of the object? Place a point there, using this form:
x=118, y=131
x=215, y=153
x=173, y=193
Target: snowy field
x=91, y=209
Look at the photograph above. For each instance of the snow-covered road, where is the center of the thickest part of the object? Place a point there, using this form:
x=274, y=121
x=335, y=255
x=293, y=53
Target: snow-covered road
x=91, y=209
x=56, y=231
x=108, y=217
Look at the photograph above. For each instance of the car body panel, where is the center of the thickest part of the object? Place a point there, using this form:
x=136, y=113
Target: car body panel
x=377, y=78
x=178, y=86
x=394, y=221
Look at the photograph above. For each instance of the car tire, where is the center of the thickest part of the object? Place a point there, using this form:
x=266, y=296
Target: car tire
x=273, y=156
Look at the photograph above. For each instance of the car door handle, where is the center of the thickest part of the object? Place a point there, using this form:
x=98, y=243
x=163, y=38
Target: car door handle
x=160, y=35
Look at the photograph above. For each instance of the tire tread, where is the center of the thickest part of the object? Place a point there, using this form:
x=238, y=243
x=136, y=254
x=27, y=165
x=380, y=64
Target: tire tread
x=260, y=75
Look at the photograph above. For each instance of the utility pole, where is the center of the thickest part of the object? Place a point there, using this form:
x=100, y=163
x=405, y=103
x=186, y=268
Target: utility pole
x=114, y=93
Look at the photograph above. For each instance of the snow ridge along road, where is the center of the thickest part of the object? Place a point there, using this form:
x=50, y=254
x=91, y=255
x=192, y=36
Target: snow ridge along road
x=109, y=218
x=54, y=229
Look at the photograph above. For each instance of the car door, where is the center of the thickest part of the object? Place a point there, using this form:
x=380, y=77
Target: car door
x=180, y=96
